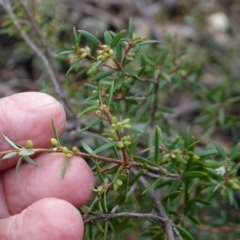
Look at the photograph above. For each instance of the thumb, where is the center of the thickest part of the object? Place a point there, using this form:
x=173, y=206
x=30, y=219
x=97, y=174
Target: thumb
x=48, y=218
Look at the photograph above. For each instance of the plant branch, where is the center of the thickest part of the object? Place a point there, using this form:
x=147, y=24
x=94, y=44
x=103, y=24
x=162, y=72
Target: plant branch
x=93, y=217
x=131, y=163
x=169, y=226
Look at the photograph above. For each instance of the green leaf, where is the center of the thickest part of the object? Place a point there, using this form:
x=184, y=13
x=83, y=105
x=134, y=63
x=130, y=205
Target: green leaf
x=146, y=42
x=194, y=174
x=75, y=36
x=117, y=38
x=119, y=52
x=64, y=52
x=29, y=160
x=86, y=147
x=64, y=168
x=171, y=196
x=110, y=93
x=11, y=143
x=220, y=150
x=152, y=185
x=72, y=67
x=90, y=109
x=184, y=233
x=9, y=155
x=163, y=56
x=158, y=136
x=165, y=76
x=104, y=147
x=107, y=38
x=17, y=168
x=94, y=66
x=92, y=124
x=193, y=219
x=55, y=130
x=90, y=37
x=235, y=152
x=103, y=75
x=129, y=71
x=206, y=153
x=130, y=28
x=27, y=152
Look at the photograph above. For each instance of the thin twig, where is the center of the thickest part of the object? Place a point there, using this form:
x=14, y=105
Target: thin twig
x=169, y=226
x=120, y=162
x=93, y=217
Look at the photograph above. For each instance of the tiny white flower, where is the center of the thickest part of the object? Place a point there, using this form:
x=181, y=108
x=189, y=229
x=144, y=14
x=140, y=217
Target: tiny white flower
x=221, y=170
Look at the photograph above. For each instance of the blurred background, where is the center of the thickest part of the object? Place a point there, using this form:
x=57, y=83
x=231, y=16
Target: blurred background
x=207, y=34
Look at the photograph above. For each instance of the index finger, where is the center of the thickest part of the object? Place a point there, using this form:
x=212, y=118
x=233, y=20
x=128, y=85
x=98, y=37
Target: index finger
x=26, y=116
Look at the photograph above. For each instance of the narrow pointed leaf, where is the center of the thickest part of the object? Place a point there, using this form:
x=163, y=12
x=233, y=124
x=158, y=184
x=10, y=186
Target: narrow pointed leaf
x=9, y=155
x=11, y=143
x=104, y=147
x=16, y=171
x=72, y=67
x=184, y=233
x=94, y=66
x=147, y=42
x=64, y=168
x=29, y=160
x=107, y=38
x=220, y=150
x=27, y=152
x=90, y=109
x=194, y=174
x=90, y=125
x=110, y=93
x=117, y=38
x=157, y=141
x=64, y=52
x=55, y=130
x=130, y=28
x=90, y=37
x=87, y=148
x=103, y=75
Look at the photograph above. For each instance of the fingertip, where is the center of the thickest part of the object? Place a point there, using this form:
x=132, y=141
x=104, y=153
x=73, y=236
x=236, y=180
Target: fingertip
x=49, y=218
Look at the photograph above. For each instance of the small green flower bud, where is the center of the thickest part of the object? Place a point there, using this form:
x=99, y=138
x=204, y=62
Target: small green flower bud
x=113, y=131
x=235, y=186
x=94, y=92
x=114, y=120
x=127, y=126
x=173, y=155
x=100, y=57
x=119, y=124
x=100, y=188
x=68, y=155
x=120, y=144
x=126, y=138
x=115, y=187
x=54, y=141
x=127, y=121
x=75, y=149
x=195, y=157
x=114, y=126
x=83, y=55
x=29, y=144
x=119, y=182
x=127, y=143
x=167, y=155
x=65, y=150
x=110, y=139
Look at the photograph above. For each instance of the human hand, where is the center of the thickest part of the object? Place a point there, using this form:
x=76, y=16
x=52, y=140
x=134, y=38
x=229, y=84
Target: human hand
x=39, y=205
